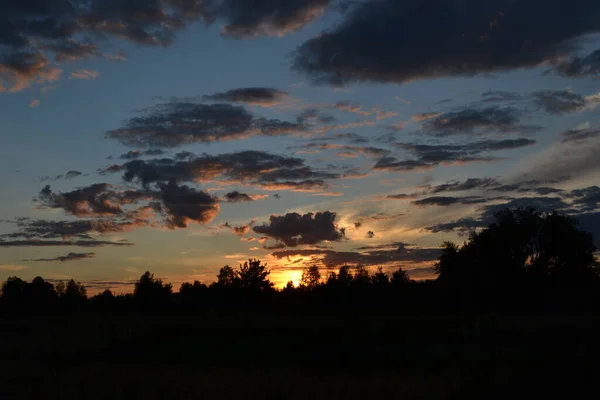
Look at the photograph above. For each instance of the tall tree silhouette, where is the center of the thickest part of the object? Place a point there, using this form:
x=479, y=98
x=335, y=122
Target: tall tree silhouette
x=254, y=275
x=311, y=277
x=520, y=246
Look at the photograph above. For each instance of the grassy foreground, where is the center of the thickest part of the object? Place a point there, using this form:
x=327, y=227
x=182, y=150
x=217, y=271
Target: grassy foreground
x=323, y=356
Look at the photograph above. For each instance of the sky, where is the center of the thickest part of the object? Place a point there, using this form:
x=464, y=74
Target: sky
x=179, y=136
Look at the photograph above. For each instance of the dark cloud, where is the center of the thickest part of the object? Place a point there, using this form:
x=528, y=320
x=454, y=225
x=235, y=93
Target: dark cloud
x=445, y=201
x=294, y=229
x=314, y=116
x=347, y=150
x=135, y=154
x=495, y=96
x=237, y=197
x=268, y=17
x=93, y=200
x=430, y=156
x=579, y=67
x=580, y=135
x=399, y=246
x=35, y=32
x=72, y=174
x=380, y=216
x=463, y=225
x=272, y=172
x=462, y=153
x=253, y=96
x=587, y=199
x=487, y=213
x=238, y=230
x=560, y=102
x=393, y=164
x=477, y=121
x=184, y=204
x=395, y=41
x=400, y=255
x=468, y=184
x=350, y=137
x=62, y=243
x=68, y=257
x=355, y=108
x=179, y=122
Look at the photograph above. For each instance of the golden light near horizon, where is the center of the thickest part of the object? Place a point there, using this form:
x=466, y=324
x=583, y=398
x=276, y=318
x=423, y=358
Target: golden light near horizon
x=281, y=277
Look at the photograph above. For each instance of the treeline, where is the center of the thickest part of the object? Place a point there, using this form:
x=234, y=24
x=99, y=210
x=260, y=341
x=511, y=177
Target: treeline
x=525, y=260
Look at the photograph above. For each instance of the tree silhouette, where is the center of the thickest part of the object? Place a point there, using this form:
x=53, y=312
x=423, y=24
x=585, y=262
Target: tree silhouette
x=400, y=278
x=254, y=275
x=226, y=276
x=380, y=278
x=522, y=245
x=14, y=290
x=361, y=276
x=311, y=277
x=149, y=290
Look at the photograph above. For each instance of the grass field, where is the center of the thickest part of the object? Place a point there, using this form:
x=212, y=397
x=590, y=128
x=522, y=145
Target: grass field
x=267, y=356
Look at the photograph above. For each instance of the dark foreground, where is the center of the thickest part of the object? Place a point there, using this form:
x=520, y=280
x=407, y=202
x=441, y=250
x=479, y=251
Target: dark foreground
x=326, y=356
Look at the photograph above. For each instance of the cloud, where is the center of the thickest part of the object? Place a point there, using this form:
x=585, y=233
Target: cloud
x=85, y=74
x=12, y=268
x=72, y=174
x=237, y=197
x=559, y=102
x=354, y=108
x=468, y=184
x=495, y=96
x=255, y=96
x=580, y=135
x=445, y=201
x=68, y=257
x=401, y=255
x=587, y=199
x=293, y=229
x=487, y=213
x=347, y=149
x=393, y=164
x=34, y=103
x=313, y=116
x=62, y=243
x=266, y=170
x=268, y=17
x=135, y=154
x=425, y=116
x=94, y=200
x=575, y=156
x=430, y=156
x=184, y=204
x=579, y=67
x=36, y=37
x=239, y=230
x=477, y=121
x=462, y=153
x=350, y=137
x=392, y=41
x=80, y=229
x=178, y=122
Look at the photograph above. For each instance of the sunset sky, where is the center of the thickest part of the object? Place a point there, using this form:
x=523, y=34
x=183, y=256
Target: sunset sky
x=178, y=136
